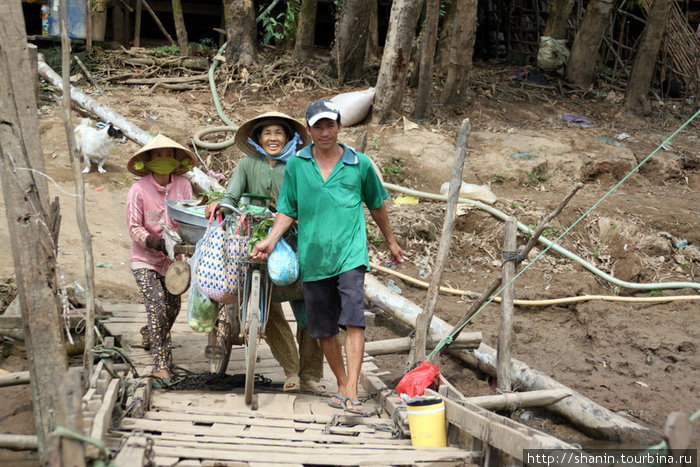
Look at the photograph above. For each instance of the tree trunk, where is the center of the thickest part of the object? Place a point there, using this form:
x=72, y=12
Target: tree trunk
x=306, y=30
x=180, y=30
x=391, y=81
x=645, y=61
x=461, y=52
x=372, y=48
x=352, y=39
x=427, y=57
x=26, y=204
x=559, y=12
x=584, y=52
x=449, y=23
x=240, y=32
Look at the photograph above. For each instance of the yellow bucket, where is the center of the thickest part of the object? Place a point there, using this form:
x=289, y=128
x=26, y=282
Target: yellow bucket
x=426, y=421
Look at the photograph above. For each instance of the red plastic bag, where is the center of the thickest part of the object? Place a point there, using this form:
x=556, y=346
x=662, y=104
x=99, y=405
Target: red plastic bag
x=418, y=379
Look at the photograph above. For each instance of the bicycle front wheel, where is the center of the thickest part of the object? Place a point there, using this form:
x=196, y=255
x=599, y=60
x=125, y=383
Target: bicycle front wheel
x=253, y=328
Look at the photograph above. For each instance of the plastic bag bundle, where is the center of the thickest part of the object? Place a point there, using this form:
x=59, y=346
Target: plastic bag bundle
x=354, y=106
x=415, y=382
x=282, y=264
x=201, y=310
x=552, y=54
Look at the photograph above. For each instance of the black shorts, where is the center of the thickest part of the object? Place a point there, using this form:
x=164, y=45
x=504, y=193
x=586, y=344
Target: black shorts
x=335, y=302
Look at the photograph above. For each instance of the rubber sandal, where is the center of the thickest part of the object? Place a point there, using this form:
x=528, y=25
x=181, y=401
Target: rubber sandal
x=354, y=403
x=161, y=383
x=291, y=384
x=311, y=385
x=339, y=404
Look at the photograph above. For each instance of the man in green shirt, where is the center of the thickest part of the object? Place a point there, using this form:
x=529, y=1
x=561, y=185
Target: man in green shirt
x=324, y=188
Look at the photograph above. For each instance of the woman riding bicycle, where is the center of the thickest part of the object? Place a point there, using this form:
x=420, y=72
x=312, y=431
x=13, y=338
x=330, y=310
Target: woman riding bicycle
x=268, y=141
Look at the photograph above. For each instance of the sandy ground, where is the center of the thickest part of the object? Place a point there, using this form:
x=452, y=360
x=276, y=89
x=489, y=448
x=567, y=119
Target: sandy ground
x=640, y=360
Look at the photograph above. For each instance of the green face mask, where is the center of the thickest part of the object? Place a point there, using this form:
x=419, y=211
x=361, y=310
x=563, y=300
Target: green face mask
x=163, y=165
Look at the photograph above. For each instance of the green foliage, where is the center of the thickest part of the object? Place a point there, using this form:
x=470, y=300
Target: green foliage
x=537, y=176
x=373, y=235
x=376, y=144
x=498, y=177
x=655, y=293
x=395, y=169
x=283, y=26
x=205, y=45
x=166, y=50
x=685, y=266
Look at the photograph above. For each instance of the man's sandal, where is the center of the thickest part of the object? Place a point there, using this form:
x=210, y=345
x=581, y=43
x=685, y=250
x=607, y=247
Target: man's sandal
x=291, y=384
x=337, y=401
x=355, y=406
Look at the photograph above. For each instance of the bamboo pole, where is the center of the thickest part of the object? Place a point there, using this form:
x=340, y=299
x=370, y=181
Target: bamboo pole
x=505, y=332
x=81, y=218
x=403, y=344
x=423, y=320
x=14, y=379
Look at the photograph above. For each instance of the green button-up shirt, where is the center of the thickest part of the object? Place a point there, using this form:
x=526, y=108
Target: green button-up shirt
x=332, y=235
x=256, y=176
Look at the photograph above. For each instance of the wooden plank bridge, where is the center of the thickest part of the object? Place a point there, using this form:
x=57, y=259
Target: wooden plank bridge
x=201, y=428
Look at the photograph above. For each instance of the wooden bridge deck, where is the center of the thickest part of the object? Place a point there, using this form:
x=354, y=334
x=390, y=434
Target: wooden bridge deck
x=200, y=428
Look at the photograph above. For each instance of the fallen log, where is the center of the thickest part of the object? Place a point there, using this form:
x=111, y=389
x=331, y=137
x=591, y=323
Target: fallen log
x=198, y=178
x=591, y=418
x=516, y=400
x=407, y=312
x=19, y=442
x=192, y=63
x=403, y=345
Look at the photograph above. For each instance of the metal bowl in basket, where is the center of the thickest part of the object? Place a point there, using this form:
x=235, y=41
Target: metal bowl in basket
x=190, y=217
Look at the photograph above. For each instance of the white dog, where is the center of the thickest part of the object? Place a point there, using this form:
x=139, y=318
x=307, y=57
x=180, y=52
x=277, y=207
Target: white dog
x=95, y=144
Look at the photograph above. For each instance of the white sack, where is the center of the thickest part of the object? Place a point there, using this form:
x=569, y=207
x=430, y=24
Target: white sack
x=354, y=106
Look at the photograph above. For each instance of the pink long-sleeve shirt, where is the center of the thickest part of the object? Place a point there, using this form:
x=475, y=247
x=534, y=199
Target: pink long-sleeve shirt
x=145, y=210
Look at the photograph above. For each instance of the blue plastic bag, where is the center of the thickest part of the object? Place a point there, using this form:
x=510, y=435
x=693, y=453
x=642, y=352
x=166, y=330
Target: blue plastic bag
x=282, y=264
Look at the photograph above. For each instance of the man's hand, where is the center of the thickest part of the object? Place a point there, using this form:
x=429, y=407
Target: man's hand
x=397, y=255
x=156, y=243
x=263, y=248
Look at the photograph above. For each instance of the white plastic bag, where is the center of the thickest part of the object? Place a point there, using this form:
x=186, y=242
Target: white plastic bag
x=476, y=192
x=282, y=264
x=354, y=106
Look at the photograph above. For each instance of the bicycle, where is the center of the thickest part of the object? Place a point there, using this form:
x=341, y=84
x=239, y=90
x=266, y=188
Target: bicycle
x=244, y=321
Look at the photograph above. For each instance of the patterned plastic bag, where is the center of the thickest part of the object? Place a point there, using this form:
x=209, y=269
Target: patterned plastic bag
x=220, y=271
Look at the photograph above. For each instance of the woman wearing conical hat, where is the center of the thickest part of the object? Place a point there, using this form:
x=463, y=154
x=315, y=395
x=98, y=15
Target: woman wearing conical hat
x=160, y=165
x=268, y=141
